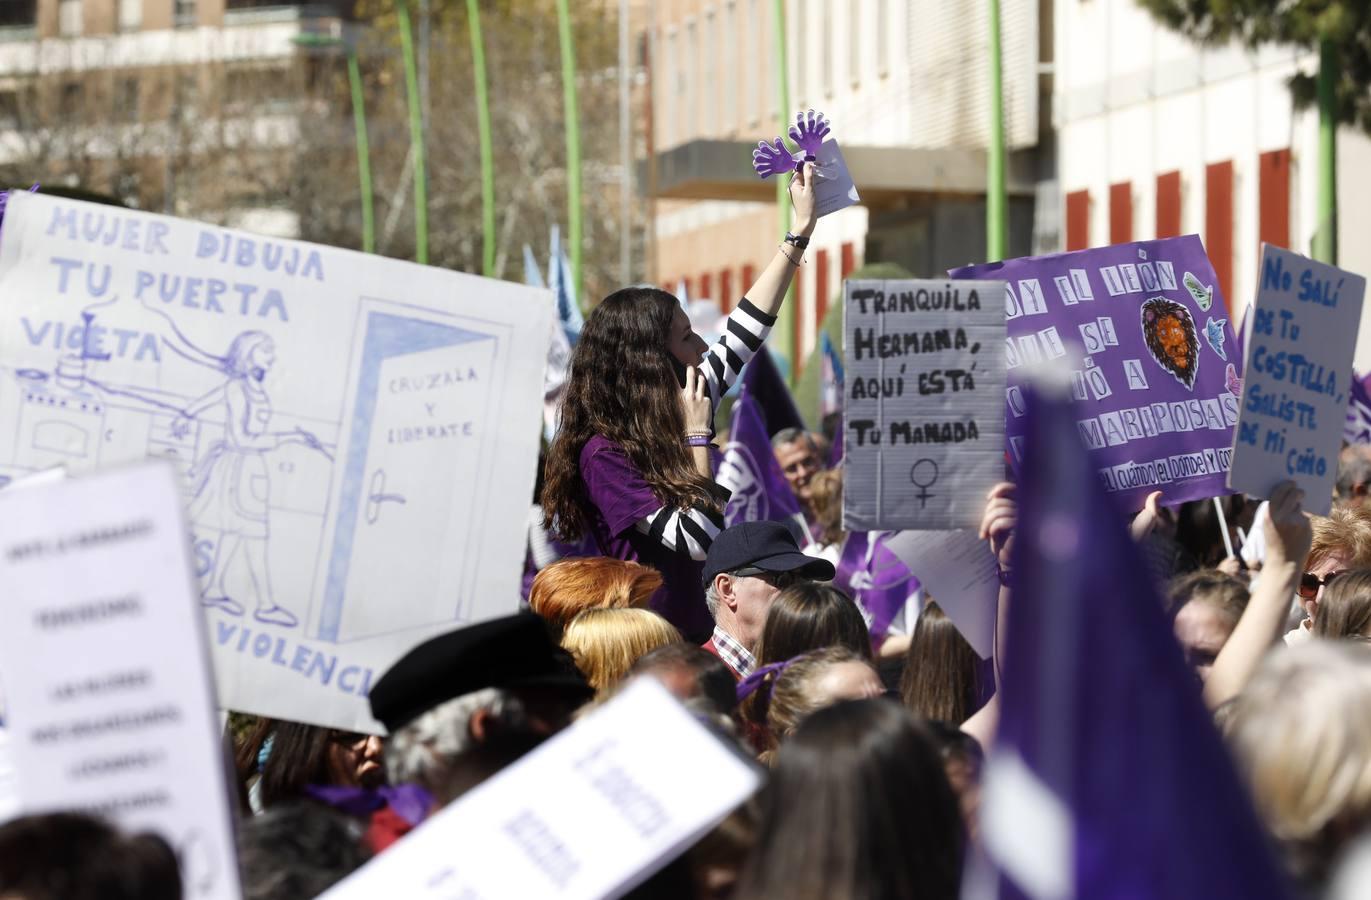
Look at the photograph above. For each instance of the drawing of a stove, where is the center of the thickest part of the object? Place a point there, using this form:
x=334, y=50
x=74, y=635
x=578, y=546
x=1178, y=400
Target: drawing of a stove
x=60, y=420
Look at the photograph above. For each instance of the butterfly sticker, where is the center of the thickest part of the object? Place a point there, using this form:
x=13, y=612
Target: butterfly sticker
x=1204, y=296
x=1213, y=333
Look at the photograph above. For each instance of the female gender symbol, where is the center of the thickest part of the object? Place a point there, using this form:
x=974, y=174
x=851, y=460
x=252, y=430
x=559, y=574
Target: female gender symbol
x=927, y=470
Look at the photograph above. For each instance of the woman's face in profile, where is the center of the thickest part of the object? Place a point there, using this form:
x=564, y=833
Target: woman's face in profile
x=682, y=342
x=262, y=358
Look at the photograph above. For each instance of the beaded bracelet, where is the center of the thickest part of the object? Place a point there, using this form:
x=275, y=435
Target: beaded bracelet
x=793, y=260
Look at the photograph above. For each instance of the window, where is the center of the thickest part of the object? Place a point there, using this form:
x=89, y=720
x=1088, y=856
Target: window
x=70, y=104
x=731, y=63
x=1274, y=198
x=670, y=85
x=1218, y=222
x=69, y=18
x=1121, y=213
x=9, y=109
x=130, y=15
x=126, y=101
x=854, y=43
x=185, y=14
x=1078, y=220
x=18, y=13
x=882, y=37
x=709, y=70
x=691, y=80
x=826, y=51
x=1169, y=205
x=751, y=66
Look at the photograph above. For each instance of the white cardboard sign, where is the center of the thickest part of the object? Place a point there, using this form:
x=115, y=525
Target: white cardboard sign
x=924, y=413
x=357, y=436
x=110, y=703
x=959, y=573
x=588, y=815
x=1302, y=332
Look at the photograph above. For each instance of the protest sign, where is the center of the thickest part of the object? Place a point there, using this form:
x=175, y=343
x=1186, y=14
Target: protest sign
x=625, y=777
x=357, y=435
x=924, y=418
x=110, y=703
x=960, y=574
x=1299, y=362
x=1145, y=333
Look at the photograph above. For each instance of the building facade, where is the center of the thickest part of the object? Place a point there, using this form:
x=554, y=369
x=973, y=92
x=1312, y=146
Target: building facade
x=906, y=86
x=1159, y=136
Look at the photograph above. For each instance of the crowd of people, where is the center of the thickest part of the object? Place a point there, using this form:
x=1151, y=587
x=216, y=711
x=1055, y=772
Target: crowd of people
x=874, y=747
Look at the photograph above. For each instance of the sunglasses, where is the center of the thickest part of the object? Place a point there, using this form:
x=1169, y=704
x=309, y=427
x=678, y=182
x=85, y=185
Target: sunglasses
x=1310, y=584
x=778, y=580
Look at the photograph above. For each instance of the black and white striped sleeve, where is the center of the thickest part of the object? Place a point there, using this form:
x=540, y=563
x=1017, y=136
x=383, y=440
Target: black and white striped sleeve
x=689, y=531
x=747, y=328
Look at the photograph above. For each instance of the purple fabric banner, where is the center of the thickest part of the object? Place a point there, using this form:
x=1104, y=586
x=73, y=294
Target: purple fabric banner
x=876, y=580
x=749, y=468
x=1357, y=427
x=1152, y=356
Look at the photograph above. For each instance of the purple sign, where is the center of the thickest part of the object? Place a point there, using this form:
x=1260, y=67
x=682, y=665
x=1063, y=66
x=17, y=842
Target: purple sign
x=1153, y=360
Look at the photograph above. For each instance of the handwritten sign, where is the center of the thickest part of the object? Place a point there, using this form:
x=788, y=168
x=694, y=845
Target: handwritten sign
x=924, y=413
x=959, y=573
x=1299, y=365
x=1154, y=371
x=110, y=703
x=350, y=430
x=589, y=814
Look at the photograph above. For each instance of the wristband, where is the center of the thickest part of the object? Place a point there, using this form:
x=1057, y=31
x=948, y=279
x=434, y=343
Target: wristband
x=799, y=241
x=697, y=440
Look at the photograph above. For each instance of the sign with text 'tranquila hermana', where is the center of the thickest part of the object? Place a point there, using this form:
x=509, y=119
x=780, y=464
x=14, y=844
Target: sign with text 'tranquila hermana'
x=351, y=431
x=1153, y=370
x=924, y=409
x=1299, y=369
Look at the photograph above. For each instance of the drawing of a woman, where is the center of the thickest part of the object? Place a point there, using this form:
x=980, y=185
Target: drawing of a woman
x=230, y=485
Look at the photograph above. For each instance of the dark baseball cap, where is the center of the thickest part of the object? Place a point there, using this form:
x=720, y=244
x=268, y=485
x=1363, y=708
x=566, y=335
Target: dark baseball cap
x=508, y=652
x=768, y=546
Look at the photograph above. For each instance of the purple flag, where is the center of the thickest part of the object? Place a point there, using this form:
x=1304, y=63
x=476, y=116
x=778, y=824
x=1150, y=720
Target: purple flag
x=749, y=468
x=1357, y=427
x=877, y=580
x=1150, y=348
x=1107, y=779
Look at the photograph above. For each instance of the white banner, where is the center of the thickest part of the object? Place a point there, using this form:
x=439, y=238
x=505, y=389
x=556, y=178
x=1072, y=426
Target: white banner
x=357, y=435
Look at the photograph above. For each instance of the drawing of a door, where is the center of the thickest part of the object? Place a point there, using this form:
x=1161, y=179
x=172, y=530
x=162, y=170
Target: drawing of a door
x=404, y=478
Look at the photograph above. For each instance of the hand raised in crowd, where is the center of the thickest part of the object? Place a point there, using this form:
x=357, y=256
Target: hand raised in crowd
x=1152, y=516
x=695, y=406
x=1288, y=530
x=999, y=521
x=802, y=198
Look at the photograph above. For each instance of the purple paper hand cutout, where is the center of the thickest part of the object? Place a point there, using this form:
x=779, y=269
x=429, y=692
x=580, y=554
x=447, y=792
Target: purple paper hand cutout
x=774, y=158
x=808, y=132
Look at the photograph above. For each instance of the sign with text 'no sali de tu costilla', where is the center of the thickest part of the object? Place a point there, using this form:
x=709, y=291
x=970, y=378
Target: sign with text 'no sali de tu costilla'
x=1145, y=332
x=1299, y=368
x=924, y=412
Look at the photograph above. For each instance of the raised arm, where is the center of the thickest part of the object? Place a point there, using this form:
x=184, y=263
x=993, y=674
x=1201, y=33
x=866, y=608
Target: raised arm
x=997, y=526
x=1288, y=535
x=751, y=321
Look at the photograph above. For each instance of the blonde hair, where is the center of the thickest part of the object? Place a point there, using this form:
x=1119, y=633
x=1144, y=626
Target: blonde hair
x=1301, y=732
x=570, y=586
x=605, y=643
x=1346, y=531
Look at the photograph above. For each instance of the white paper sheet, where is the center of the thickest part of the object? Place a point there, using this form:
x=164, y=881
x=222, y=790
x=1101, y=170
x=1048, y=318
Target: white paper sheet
x=1303, y=332
x=589, y=814
x=357, y=435
x=924, y=411
x=959, y=573
x=110, y=702
x=833, y=189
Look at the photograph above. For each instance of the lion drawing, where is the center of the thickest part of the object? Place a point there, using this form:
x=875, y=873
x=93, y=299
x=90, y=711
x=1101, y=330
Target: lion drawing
x=1171, y=338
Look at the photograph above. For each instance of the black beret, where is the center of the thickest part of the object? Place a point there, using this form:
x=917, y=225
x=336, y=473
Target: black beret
x=511, y=651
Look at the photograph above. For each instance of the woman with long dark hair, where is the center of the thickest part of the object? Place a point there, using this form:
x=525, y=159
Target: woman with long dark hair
x=631, y=464
x=858, y=808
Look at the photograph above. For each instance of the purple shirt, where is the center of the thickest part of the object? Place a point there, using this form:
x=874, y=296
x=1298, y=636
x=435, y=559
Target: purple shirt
x=619, y=498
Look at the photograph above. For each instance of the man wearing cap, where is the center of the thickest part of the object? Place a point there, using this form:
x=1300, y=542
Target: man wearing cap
x=747, y=566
